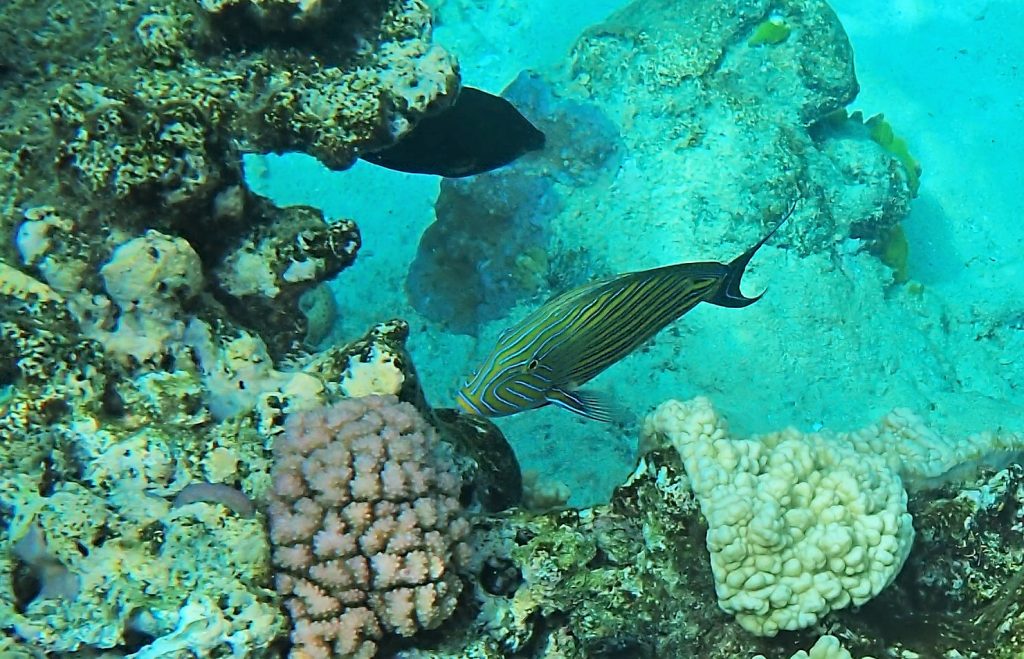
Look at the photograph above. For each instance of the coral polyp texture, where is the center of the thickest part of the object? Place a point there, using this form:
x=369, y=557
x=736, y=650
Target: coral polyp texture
x=798, y=525
x=366, y=526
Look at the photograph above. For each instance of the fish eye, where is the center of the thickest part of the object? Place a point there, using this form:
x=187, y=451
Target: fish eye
x=532, y=366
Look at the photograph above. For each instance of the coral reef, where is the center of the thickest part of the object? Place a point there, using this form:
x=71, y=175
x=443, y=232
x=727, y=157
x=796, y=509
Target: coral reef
x=161, y=107
x=636, y=578
x=267, y=274
x=139, y=574
x=826, y=647
x=155, y=317
x=962, y=586
x=379, y=363
x=366, y=525
x=149, y=299
x=91, y=460
x=146, y=134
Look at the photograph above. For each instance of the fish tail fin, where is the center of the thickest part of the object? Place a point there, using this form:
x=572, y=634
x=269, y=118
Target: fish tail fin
x=729, y=294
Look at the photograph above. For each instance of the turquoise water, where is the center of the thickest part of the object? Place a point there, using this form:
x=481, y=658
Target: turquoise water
x=191, y=466
x=949, y=82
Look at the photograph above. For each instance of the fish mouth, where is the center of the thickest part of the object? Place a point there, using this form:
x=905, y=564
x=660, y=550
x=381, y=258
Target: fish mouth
x=467, y=405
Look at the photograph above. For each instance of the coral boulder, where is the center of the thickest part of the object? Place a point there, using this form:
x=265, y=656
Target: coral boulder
x=366, y=524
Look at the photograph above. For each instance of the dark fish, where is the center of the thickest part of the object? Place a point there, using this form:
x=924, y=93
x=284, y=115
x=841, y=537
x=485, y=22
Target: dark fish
x=476, y=134
x=579, y=333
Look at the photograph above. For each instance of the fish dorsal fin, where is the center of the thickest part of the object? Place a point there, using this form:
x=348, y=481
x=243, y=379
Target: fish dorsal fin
x=574, y=294
x=588, y=404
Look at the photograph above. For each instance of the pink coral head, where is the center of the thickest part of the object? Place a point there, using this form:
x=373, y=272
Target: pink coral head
x=365, y=525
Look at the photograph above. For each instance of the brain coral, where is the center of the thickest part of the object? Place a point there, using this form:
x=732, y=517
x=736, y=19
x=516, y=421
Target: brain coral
x=365, y=523
x=798, y=525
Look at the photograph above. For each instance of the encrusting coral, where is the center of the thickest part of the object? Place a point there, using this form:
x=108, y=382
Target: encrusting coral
x=798, y=525
x=366, y=526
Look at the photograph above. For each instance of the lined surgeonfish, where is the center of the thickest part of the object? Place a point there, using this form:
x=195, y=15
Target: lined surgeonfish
x=581, y=332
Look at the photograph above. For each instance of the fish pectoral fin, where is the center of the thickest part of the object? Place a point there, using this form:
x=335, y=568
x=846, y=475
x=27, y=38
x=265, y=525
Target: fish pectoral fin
x=591, y=405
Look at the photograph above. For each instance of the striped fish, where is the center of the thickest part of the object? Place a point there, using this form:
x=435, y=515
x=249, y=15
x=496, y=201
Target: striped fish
x=581, y=332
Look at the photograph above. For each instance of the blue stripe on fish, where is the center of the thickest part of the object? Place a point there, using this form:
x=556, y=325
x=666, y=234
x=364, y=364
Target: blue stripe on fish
x=579, y=333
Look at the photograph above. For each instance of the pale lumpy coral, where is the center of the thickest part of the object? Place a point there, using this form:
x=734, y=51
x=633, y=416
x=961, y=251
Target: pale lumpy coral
x=798, y=525
x=366, y=526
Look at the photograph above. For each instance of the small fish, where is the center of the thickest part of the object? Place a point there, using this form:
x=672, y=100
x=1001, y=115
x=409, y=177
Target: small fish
x=581, y=332
x=477, y=133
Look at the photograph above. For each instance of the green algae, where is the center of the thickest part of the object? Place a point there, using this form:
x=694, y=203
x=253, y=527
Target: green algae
x=893, y=250
x=770, y=32
x=881, y=132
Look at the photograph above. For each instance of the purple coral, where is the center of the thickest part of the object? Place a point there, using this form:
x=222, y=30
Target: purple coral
x=366, y=526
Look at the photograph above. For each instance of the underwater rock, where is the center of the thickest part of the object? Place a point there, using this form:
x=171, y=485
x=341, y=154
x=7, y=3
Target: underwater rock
x=647, y=46
x=486, y=250
x=497, y=483
x=55, y=581
x=869, y=175
x=630, y=578
x=582, y=143
x=264, y=275
x=280, y=16
x=87, y=453
x=239, y=376
x=726, y=127
x=321, y=312
x=489, y=246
